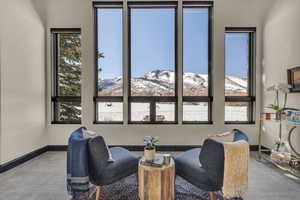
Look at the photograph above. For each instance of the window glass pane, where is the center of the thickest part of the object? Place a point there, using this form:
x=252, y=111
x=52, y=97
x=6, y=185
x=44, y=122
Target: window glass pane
x=195, y=111
x=68, y=111
x=69, y=64
x=195, y=51
x=140, y=111
x=110, y=111
x=236, y=111
x=110, y=81
x=165, y=111
x=236, y=64
x=152, y=51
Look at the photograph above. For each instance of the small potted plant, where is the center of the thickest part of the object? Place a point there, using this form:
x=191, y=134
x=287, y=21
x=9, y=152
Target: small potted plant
x=149, y=151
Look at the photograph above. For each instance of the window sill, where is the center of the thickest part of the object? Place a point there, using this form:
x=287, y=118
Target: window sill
x=108, y=123
x=241, y=122
x=158, y=123
x=197, y=122
x=66, y=122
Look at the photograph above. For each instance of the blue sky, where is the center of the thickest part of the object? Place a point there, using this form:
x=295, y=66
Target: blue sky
x=152, y=42
x=236, y=54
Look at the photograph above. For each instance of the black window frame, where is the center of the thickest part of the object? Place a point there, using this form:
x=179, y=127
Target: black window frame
x=152, y=100
x=251, y=98
x=56, y=98
x=209, y=98
x=97, y=98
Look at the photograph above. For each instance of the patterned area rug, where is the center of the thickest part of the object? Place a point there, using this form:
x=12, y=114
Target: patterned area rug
x=127, y=189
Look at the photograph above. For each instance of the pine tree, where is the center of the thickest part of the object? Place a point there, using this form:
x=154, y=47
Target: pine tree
x=69, y=75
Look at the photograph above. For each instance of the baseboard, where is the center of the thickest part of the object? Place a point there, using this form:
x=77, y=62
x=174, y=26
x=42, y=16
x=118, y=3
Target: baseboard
x=18, y=161
x=57, y=147
x=141, y=147
x=253, y=147
x=135, y=147
x=14, y=163
x=159, y=147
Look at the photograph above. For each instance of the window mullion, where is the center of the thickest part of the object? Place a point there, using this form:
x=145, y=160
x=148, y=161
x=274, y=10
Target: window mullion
x=152, y=111
x=179, y=62
x=126, y=89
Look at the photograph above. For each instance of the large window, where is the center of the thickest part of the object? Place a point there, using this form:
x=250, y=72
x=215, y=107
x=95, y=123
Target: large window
x=109, y=73
x=196, y=65
x=239, y=75
x=142, y=52
x=152, y=79
x=66, y=91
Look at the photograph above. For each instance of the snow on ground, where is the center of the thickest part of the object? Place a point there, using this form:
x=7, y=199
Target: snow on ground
x=191, y=112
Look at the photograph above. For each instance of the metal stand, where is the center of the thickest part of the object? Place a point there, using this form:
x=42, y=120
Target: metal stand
x=289, y=140
x=283, y=166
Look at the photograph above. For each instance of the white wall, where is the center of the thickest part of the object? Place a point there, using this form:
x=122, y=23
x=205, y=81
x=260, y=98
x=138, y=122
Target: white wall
x=22, y=64
x=78, y=14
x=281, y=51
x=25, y=34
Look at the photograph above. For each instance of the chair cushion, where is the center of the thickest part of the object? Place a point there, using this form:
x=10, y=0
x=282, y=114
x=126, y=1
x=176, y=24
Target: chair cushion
x=240, y=135
x=125, y=164
x=189, y=167
x=87, y=133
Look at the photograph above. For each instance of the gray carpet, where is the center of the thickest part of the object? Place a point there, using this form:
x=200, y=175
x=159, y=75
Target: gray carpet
x=44, y=178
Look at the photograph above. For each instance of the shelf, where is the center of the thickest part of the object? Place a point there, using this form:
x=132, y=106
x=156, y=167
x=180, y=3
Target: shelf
x=292, y=123
x=271, y=120
x=283, y=166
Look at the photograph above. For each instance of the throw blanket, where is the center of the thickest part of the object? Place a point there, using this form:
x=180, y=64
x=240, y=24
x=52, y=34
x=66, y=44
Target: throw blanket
x=77, y=164
x=236, y=165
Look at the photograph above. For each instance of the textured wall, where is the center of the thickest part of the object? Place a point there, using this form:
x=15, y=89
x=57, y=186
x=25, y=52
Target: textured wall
x=22, y=79
x=281, y=51
x=78, y=13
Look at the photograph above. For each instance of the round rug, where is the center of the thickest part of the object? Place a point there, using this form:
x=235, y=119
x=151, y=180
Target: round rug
x=127, y=189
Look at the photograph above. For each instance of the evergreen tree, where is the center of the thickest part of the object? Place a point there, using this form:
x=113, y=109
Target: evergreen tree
x=69, y=75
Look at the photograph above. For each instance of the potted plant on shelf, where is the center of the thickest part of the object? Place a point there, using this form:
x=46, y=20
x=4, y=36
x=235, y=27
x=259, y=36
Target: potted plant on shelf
x=280, y=109
x=149, y=151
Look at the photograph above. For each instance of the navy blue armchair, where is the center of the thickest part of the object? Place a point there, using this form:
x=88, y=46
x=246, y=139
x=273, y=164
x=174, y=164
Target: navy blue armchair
x=101, y=171
x=204, y=167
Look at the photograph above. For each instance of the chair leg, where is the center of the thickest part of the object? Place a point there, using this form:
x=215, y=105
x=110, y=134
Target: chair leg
x=212, y=196
x=98, y=193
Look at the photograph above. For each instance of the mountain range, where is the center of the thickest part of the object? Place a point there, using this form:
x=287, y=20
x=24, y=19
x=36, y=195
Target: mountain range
x=162, y=83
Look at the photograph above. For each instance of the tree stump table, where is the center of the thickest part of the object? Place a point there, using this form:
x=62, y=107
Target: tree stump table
x=156, y=182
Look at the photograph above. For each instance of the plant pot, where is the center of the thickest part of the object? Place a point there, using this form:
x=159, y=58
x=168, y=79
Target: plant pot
x=149, y=154
x=277, y=116
x=280, y=146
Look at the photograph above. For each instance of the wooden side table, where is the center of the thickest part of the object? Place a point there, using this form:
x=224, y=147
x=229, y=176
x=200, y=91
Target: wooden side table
x=157, y=183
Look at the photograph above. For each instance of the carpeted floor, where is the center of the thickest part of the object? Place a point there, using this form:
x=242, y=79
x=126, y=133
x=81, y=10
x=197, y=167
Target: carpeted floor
x=43, y=178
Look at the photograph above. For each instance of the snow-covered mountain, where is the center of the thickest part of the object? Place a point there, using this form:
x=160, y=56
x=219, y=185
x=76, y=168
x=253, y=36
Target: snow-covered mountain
x=162, y=82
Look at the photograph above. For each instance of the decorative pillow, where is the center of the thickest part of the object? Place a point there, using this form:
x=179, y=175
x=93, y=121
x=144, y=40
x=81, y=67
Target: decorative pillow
x=224, y=137
x=87, y=133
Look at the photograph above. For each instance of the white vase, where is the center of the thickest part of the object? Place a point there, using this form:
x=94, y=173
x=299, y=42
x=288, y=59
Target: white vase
x=280, y=146
x=149, y=154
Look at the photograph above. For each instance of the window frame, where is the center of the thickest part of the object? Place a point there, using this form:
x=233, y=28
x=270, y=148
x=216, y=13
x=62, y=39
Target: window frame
x=178, y=99
x=209, y=98
x=97, y=98
x=55, y=97
x=251, y=98
x=152, y=100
